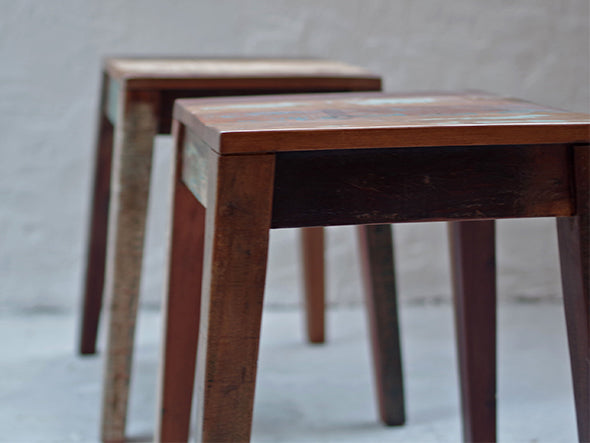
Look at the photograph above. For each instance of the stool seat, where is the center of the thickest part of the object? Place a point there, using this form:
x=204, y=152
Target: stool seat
x=172, y=72
x=374, y=120
x=252, y=164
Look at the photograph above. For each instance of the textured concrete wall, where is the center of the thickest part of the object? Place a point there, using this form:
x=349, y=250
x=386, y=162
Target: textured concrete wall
x=49, y=65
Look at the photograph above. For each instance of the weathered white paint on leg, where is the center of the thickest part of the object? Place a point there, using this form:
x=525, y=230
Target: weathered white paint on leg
x=132, y=157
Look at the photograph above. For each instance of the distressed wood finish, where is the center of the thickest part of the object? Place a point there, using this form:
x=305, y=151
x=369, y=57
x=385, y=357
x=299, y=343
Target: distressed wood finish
x=97, y=232
x=171, y=78
x=376, y=120
x=294, y=75
x=181, y=308
x=132, y=159
x=175, y=78
x=113, y=95
x=472, y=247
x=236, y=244
x=261, y=87
x=163, y=80
x=365, y=163
x=376, y=247
x=312, y=247
x=574, y=250
x=195, y=166
x=418, y=184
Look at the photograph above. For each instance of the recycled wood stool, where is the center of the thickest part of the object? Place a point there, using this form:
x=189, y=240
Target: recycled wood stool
x=368, y=158
x=137, y=99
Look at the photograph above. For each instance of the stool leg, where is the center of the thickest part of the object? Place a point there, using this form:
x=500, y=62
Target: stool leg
x=130, y=185
x=97, y=232
x=312, y=247
x=474, y=282
x=181, y=308
x=376, y=248
x=238, y=219
x=574, y=251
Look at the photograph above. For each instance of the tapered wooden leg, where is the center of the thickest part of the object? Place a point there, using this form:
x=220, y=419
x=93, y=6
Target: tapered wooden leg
x=181, y=308
x=97, y=232
x=312, y=246
x=236, y=242
x=376, y=248
x=574, y=252
x=474, y=281
x=130, y=188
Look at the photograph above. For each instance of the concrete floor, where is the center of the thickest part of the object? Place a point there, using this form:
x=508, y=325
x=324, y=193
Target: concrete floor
x=304, y=393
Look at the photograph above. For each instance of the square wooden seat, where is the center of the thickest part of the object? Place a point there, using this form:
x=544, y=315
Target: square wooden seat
x=136, y=105
x=256, y=163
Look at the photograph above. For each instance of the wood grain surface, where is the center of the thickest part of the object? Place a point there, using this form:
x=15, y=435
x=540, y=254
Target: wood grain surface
x=377, y=263
x=219, y=73
x=225, y=87
x=420, y=184
x=182, y=308
x=236, y=247
x=375, y=120
x=574, y=251
x=132, y=158
x=97, y=232
x=473, y=262
x=312, y=248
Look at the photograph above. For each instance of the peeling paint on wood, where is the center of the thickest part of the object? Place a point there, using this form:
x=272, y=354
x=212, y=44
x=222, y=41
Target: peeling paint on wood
x=112, y=104
x=195, y=166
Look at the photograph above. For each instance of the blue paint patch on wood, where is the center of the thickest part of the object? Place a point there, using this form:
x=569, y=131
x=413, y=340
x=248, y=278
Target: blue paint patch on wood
x=250, y=106
x=394, y=101
x=195, y=168
x=112, y=105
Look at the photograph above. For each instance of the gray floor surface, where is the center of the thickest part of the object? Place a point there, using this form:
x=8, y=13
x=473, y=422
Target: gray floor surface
x=304, y=393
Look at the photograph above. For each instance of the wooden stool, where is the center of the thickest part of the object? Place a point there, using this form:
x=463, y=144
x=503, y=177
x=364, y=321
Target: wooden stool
x=136, y=104
x=370, y=158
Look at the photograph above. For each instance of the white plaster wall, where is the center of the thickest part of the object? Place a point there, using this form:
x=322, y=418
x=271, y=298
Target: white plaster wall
x=49, y=65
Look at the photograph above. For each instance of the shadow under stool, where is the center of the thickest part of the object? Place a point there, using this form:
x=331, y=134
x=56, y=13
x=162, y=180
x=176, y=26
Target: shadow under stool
x=256, y=163
x=136, y=105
